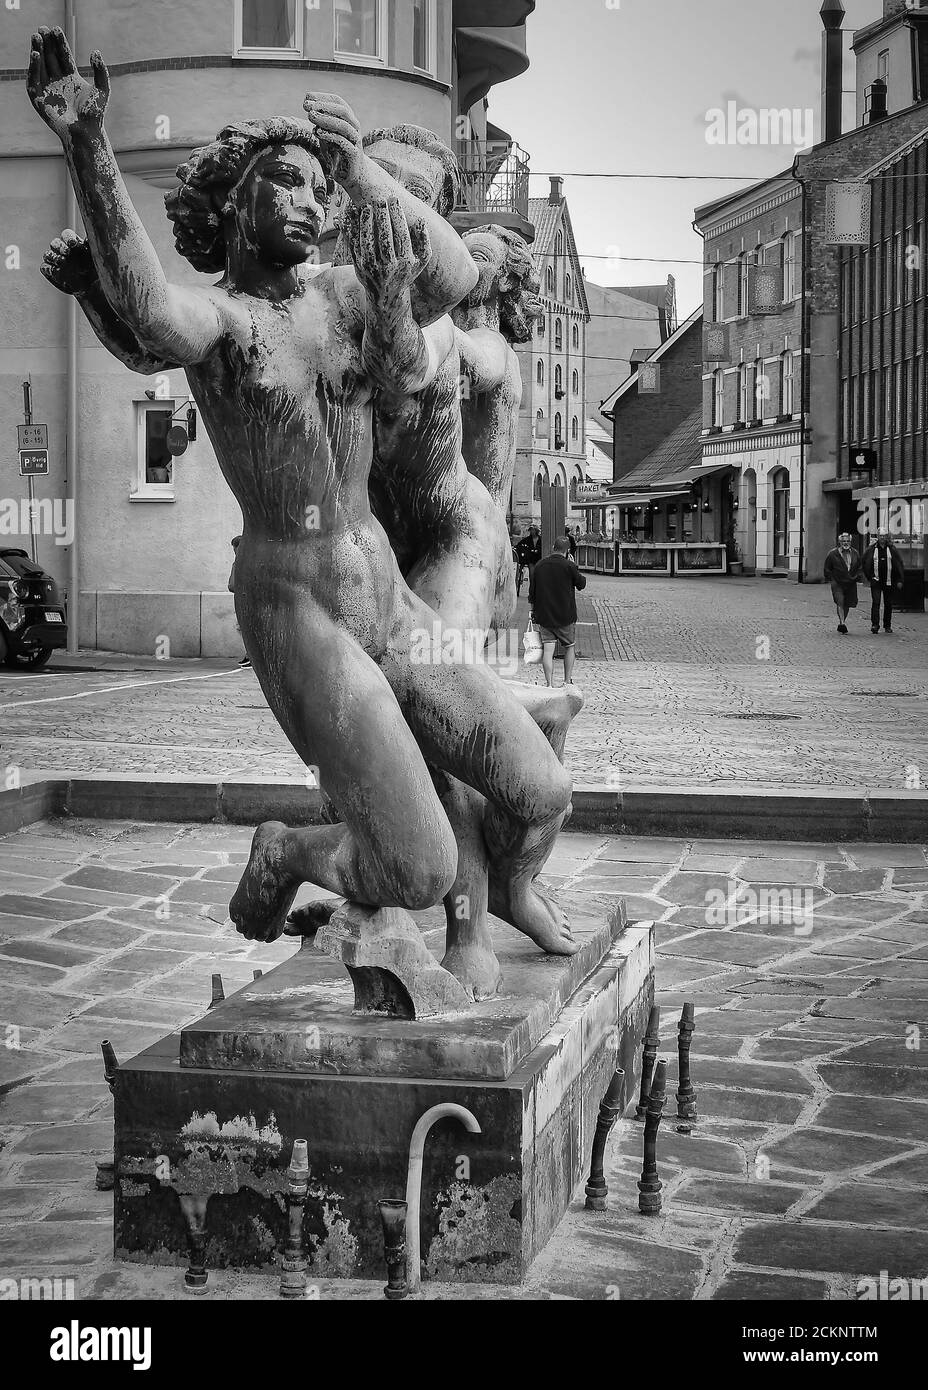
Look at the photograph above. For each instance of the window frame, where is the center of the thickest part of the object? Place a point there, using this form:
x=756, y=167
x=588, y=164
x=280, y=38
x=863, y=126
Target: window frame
x=144, y=490
x=575, y=336
x=272, y=54
x=718, y=397
x=558, y=335
x=366, y=60
x=786, y=381
x=431, y=10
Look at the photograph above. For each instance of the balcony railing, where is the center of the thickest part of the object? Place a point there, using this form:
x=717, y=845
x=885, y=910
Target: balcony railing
x=495, y=181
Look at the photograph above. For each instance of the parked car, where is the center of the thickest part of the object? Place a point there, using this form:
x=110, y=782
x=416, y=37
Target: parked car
x=32, y=619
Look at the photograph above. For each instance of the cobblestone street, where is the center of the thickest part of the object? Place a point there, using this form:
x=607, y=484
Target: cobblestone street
x=805, y=1173
x=708, y=681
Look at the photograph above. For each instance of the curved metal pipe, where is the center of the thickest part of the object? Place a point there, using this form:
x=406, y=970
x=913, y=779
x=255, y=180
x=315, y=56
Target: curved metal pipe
x=414, y=1179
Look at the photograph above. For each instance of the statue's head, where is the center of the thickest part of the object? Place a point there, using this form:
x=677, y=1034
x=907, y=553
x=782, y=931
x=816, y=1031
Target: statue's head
x=262, y=181
x=508, y=273
x=419, y=162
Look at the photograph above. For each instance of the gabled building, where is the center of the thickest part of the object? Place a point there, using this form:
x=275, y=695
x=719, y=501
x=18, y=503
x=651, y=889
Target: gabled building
x=625, y=325
x=552, y=432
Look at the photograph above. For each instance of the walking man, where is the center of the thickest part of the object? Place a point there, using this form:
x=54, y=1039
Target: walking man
x=842, y=569
x=553, y=605
x=529, y=549
x=883, y=567
x=571, y=543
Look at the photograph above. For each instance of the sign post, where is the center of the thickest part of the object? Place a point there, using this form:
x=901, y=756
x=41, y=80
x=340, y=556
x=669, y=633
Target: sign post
x=33, y=457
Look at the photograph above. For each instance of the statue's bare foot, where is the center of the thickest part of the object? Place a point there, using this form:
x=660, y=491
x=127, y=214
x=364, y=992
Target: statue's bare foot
x=476, y=968
x=264, y=895
x=530, y=909
x=305, y=921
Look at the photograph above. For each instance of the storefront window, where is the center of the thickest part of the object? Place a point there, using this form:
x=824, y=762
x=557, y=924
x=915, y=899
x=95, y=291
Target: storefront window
x=269, y=26
x=359, y=29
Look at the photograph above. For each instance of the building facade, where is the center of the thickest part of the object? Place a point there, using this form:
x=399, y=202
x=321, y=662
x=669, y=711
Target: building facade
x=623, y=321
x=150, y=552
x=752, y=386
x=552, y=427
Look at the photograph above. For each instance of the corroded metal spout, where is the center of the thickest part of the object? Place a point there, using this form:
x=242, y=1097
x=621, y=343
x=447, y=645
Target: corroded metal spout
x=218, y=993
x=106, y=1167
x=649, y=1184
x=596, y=1189
x=293, y=1271
x=194, y=1208
x=393, y=1218
x=686, y=1095
x=652, y=1041
x=414, y=1180
x=110, y=1063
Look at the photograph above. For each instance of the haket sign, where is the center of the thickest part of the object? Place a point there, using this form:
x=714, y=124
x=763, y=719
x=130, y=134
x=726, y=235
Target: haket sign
x=29, y=437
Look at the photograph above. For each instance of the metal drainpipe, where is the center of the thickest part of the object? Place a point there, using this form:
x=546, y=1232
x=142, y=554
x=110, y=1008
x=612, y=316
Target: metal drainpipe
x=803, y=378
x=72, y=408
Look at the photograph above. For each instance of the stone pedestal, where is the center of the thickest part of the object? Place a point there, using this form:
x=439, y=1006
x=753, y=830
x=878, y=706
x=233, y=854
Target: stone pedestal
x=215, y=1109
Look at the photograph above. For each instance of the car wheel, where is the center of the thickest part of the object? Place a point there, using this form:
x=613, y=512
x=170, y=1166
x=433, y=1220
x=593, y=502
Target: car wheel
x=29, y=661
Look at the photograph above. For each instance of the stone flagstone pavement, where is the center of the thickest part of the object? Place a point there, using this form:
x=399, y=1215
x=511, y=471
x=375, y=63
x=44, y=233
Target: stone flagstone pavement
x=808, y=964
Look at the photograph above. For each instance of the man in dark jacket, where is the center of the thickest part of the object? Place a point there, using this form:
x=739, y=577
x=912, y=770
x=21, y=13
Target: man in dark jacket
x=553, y=605
x=883, y=568
x=842, y=570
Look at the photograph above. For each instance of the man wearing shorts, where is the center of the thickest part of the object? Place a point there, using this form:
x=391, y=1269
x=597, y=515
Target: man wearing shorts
x=553, y=604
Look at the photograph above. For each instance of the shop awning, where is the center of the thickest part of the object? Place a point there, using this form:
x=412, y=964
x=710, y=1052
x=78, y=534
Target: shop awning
x=635, y=498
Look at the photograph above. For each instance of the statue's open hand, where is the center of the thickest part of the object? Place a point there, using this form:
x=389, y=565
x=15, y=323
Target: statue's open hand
x=388, y=255
x=56, y=89
x=68, y=264
x=339, y=133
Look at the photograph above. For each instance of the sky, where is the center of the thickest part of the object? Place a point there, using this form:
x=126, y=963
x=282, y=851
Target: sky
x=624, y=86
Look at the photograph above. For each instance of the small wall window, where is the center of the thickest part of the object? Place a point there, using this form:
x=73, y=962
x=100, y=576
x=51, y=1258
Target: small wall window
x=541, y=328
x=786, y=384
x=558, y=380
x=568, y=287
x=155, y=464
x=575, y=383
x=361, y=30
x=540, y=373
x=269, y=28
x=788, y=253
x=558, y=336
x=718, y=397
x=549, y=279
x=540, y=431
x=575, y=428
x=575, y=335
x=423, y=35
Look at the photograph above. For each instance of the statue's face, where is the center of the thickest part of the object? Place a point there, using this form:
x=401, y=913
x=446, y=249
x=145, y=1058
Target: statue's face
x=490, y=254
x=419, y=172
x=281, y=204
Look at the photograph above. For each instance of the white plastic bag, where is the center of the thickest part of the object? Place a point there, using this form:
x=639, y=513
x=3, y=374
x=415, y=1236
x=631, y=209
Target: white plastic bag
x=531, y=645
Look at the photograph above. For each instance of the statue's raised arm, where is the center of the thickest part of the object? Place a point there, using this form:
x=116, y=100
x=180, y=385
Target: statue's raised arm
x=182, y=324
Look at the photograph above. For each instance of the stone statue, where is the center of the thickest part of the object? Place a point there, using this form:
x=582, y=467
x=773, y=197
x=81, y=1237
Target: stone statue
x=282, y=356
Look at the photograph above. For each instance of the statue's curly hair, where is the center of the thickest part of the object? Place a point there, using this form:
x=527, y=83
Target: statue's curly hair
x=207, y=178
x=520, y=306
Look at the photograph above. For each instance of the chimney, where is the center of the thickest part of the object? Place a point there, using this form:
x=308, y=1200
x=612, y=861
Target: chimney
x=557, y=189
x=876, y=102
x=832, y=13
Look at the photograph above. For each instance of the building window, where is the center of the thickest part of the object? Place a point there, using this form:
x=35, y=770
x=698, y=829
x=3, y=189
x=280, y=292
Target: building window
x=887, y=275
x=866, y=268
x=558, y=431
x=568, y=288
x=540, y=431
x=744, y=272
x=786, y=383
x=882, y=65
x=747, y=392
x=866, y=427
x=540, y=373
x=270, y=28
x=909, y=397
x=887, y=402
x=559, y=244
x=575, y=429
x=558, y=381
x=575, y=383
x=898, y=269
x=718, y=293
x=788, y=253
x=549, y=279
x=541, y=328
x=875, y=397
x=360, y=30
x=761, y=389
x=558, y=336
x=155, y=464
x=575, y=335
x=718, y=397
x=898, y=403
x=423, y=35
x=913, y=263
